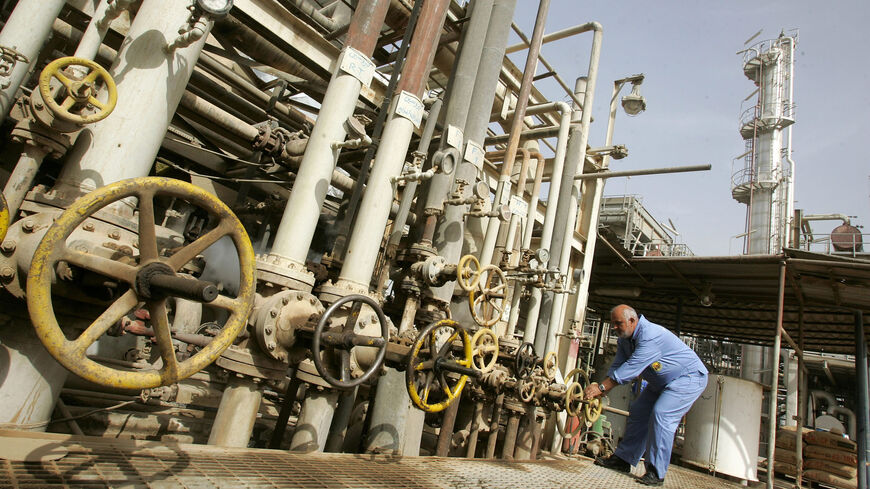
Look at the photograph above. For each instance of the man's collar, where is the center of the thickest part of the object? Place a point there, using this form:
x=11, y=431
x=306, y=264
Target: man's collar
x=640, y=320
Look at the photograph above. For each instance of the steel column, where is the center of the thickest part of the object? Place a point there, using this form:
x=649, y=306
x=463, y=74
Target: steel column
x=863, y=410
x=774, y=384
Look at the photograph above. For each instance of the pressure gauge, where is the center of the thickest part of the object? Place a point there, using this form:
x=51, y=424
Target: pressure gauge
x=542, y=255
x=215, y=8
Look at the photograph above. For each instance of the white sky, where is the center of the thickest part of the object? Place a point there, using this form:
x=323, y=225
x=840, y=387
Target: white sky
x=694, y=87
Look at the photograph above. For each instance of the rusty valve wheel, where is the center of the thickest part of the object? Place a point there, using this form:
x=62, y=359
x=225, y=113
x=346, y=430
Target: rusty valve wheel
x=487, y=302
x=81, y=91
x=549, y=365
x=527, y=389
x=524, y=360
x=436, y=342
x=468, y=273
x=346, y=338
x=150, y=282
x=485, y=350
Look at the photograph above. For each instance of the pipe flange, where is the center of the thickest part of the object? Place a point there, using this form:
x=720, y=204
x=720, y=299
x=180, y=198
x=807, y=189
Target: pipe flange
x=307, y=372
x=243, y=361
x=515, y=406
x=278, y=271
x=331, y=292
x=278, y=319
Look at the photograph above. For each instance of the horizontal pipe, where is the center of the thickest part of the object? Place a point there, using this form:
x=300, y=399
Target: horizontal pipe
x=647, y=171
x=554, y=36
x=539, y=133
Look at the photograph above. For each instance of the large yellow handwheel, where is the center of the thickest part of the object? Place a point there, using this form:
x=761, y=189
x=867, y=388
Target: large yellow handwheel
x=487, y=302
x=80, y=90
x=573, y=404
x=433, y=355
x=468, y=272
x=143, y=290
x=549, y=365
x=592, y=410
x=4, y=217
x=484, y=345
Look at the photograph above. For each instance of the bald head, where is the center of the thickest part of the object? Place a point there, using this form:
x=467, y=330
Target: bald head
x=623, y=318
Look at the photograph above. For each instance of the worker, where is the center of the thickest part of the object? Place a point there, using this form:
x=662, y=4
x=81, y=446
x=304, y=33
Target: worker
x=675, y=376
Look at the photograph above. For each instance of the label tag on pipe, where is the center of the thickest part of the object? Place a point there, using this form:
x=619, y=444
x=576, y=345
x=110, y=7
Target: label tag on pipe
x=454, y=136
x=474, y=154
x=410, y=107
x=357, y=65
x=518, y=206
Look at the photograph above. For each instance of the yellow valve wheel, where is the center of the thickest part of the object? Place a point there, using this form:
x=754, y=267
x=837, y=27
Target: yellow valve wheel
x=434, y=355
x=80, y=91
x=592, y=410
x=549, y=365
x=4, y=217
x=527, y=389
x=487, y=303
x=142, y=288
x=484, y=354
x=573, y=403
x=468, y=272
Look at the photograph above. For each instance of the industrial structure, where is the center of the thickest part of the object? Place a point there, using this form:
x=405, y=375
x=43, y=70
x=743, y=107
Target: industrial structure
x=273, y=229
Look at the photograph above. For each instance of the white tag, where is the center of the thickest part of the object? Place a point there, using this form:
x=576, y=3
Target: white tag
x=357, y=65
x=474, y=154
x=518, y=206
x=454, y=136
x=410, y=107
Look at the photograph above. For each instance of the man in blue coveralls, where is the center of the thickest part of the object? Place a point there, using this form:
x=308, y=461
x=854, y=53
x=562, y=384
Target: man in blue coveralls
x=675, y=376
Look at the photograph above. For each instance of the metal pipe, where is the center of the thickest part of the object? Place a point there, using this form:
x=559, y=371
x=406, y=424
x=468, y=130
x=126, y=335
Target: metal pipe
x=294, y=234
x=315, y=418
x=25, y=31
x=149, y=96
x=537, y=133
x=471, y=446
x=514, y=317
x=774, y=383
x=448, y=421
x=646, y=171
x=510, y=436
x=534, y=309
x=93, y=36
x=553, y=36
x=800, y=418
x=504, y=181
x=365, y=240
x=286, y=409
x=21, y=180
x=234, y=421
x=569, y=195
x=451, y=230
x=340, y=420
x=863, y=408
x=493, y=426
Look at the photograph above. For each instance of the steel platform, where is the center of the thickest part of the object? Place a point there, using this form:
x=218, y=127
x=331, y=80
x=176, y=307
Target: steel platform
x=90, y=462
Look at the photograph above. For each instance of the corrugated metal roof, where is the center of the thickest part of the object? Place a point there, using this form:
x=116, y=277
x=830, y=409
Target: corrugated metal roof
x=744, y=292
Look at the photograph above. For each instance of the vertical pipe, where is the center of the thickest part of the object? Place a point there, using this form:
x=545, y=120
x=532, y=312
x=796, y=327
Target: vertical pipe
x=493, y=426
x=338, y=430
x=774, y=384
x=286, y=409
x=510, y=436
x=312, y=426
x=365, y=240
x=471, y=448
x=234, y=421
x=25, y=31
x=504, y=179
x=152, y=96
x=863, y=402
x=801, y=395
x=302, y=211
x=448, y=421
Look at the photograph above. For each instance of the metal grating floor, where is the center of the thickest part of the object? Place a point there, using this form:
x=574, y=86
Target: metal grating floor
x=101, y=463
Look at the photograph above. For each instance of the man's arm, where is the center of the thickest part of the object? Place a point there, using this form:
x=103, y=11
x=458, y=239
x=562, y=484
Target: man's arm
x=645, y=354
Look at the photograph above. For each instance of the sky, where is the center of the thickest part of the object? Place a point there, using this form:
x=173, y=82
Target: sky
x=695, y=89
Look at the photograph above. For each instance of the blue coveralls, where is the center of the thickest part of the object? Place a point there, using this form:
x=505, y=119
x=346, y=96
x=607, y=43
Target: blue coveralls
x=675, y=376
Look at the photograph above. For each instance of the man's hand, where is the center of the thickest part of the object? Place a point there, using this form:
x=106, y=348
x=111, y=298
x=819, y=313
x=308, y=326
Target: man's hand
x=592, y=391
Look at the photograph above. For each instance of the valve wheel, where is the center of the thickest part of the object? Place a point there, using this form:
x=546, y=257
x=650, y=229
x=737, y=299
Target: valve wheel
x=573, y=403
x=484, y=354
x=487, y=305
x=468, y=273
x=53, y=249
x=436, y=343
x=346, y=339
x=80, y=93
x=527, y=390
x=4, y=217
x=524, y=360
x=592, y=410
x=550, y=365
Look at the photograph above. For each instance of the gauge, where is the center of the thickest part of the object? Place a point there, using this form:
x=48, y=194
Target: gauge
x=216, y=8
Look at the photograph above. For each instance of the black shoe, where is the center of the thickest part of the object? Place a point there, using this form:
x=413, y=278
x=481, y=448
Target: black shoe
x=650, y=479
x=614, y=463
